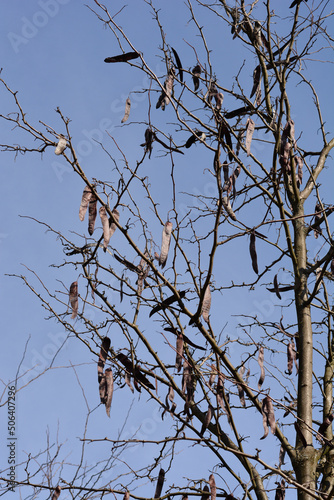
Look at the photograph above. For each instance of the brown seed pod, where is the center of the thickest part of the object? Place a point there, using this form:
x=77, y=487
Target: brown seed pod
x=73, y=296
x=196, y=73
x=179, y=351
x=127, y=110
x=252, y=251
x=250, y=127
x=268, y=416
x=207, y=420
x=165, y=243
x=178, y=64
x=280, y=490
x=127, y=56
x=206, y=304
x=86, y=196
x=256, y=80
x=92, y=212
x=56, y=493
x=260, y=360
x=206, y=493
x=166, y=94
x=126, y=495
x=109, y=389
x=213, y=488
x=160, y=483
x=102, y=357
x=103, y=389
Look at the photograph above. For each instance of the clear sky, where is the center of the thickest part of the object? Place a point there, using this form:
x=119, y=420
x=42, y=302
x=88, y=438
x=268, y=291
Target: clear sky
x=52, y=53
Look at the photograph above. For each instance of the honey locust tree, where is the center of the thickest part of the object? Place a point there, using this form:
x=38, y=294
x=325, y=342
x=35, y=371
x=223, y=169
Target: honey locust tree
x=170, y=271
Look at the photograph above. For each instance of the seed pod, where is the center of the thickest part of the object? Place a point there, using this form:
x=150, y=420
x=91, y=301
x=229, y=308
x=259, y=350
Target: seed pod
x=227, y=205
x=260, y=360
x=241, y=389
x=126, y=495
x=252, y=251
x=109, y=389
x=206, y=304
x=103, y=389
x=165, y=243
x=166, y=94
x=221, y=393
x=300, y=164
x=268, y=416
x=206, y=494
x=196, y=73
x=170, y=397
x=92, y=212
x=250, y=127
x=213, y=375
x=105, y=225
x=179, y=351
x=213, y=488
x=128, y=381
x=276, y=287
x=178, y=64
x=127, y=56
x=127, y=110
x=149, y=138
x=102, y=357
x=73, y=296
x=207, y=420
x=113, y=227
x=61, y=146
x=281, y=456
x=56, y=493
x=256, y=80
x=280, y=490
x=86, y=196
x=160, y=483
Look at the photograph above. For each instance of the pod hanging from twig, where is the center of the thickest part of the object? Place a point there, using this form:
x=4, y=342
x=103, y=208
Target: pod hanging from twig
x=56, y=493
x=166, y=94
x=109, y=389
x=105, y=345
x=260, y=360
x=252, y=251
x=92, y=212
x=206, y=306
x=61, y=146
x=250, y=127
x=178, y=64
x=165, y=243
x=213, y=488
x=179, y=351
x=196, y=73
x=127, y=110
x=160, y=483
x=207, y=420
x=268, y=416
x=73, y=296
x=86, y=197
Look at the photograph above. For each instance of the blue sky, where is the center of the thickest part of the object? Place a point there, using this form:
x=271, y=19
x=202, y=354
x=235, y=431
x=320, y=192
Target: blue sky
x=52, y=53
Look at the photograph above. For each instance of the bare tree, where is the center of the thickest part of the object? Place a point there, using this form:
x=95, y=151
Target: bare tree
x=178, y=257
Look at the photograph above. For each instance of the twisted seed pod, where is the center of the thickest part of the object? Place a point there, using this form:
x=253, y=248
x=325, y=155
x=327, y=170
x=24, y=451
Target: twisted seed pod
x=92, y=212
x=56, y=493
x=196, y=73
x=250, y=127
x=86, y=196
x=109, y=389
x=213, y=487
x=127, y=110
x=206, y=304
x=252, y=251
x=61, y=146
x=102, y=357
x=165, y=243
x=207, y=420
x=73, y=296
